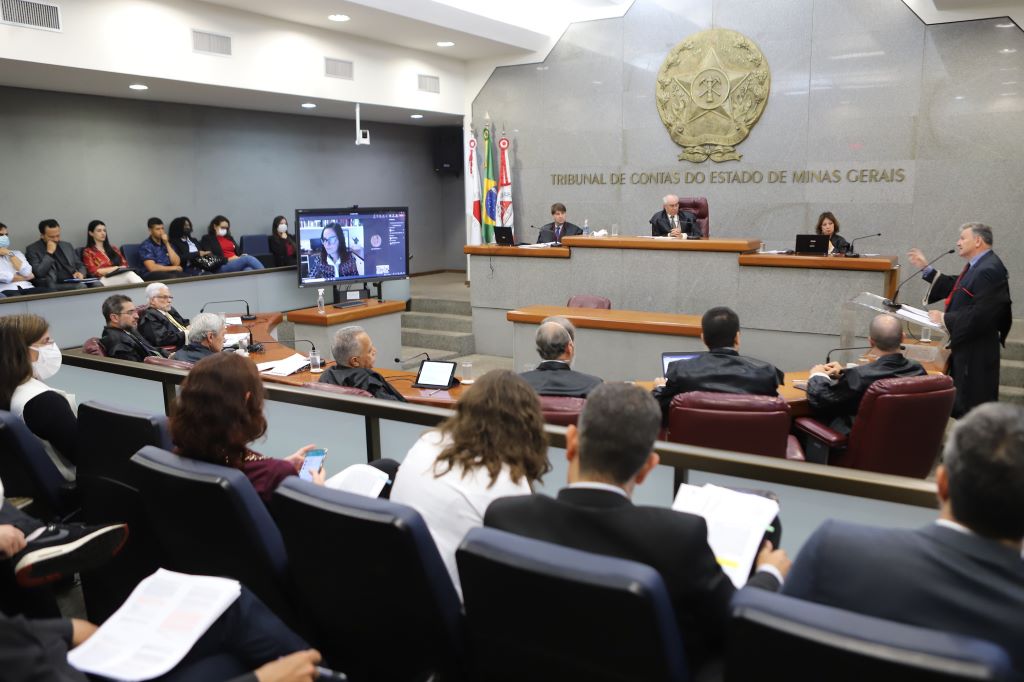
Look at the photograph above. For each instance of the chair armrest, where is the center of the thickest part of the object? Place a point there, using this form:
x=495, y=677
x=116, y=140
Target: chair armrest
x=818, y=431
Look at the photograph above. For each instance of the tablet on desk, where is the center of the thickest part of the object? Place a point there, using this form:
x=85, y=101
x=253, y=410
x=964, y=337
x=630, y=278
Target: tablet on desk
x=435, y=374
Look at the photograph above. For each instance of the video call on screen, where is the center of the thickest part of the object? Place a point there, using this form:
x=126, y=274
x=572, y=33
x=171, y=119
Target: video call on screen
x=377, y=239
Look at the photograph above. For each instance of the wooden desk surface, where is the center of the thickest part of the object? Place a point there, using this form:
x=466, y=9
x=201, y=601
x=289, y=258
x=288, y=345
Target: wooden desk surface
x=664, y=244
x=618, y=320
x=495, y=250
x=334, y=316
x=782, y=260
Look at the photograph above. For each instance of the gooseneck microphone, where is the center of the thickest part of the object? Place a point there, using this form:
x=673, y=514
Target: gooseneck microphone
x=248, y=317
x=258, y=347
x=891, y=302
x=850, y=252
x=828, y=356
x=413, y=357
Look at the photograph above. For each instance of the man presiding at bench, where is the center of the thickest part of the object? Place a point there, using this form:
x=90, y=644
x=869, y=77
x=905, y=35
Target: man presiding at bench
x=556, y=345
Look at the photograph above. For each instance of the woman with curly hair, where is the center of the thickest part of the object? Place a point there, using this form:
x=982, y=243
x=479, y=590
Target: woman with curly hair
x=494, y=446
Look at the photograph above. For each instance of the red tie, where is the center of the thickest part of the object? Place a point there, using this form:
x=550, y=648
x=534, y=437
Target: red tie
x=956, y=285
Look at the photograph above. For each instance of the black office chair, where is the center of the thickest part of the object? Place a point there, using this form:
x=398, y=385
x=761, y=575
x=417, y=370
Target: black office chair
x=108, y=438
x=367, y=574
x=804, y=641
x=209, y=520
x=27, y=471
x=537, y=611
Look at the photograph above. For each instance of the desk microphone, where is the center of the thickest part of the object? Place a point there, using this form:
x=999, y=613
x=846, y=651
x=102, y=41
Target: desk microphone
x=258, y=347
x=850, y=253
x=248, y=317
x=891, y=302
x=828, y=356
x=402, y=362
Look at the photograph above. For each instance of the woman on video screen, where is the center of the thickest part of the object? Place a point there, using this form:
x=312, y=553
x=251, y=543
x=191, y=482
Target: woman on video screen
x=333, y=260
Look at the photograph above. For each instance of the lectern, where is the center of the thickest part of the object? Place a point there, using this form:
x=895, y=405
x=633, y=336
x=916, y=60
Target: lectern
x=925, y=338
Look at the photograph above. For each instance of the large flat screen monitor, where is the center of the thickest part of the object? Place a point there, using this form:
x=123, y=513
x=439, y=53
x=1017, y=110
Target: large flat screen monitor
x=346, y=245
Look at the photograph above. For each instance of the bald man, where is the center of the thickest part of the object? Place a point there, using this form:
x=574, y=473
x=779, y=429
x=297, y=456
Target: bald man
x=556, y=345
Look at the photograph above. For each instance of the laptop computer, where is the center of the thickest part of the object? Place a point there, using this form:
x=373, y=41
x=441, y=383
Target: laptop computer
x=811, y=244
x=504, y=237
x=668, y=358
x=435, y=374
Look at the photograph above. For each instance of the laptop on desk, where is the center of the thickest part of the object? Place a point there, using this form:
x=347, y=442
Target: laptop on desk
x=669, y=357
x=811, y=245
x=503, y=236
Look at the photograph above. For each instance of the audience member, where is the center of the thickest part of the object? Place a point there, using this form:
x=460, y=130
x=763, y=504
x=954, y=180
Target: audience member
x=828, y=225
x=54, y=263
x=220, y=412
x=219, y=242
x=494, y=446
x=669, y=223
x=205, y=337
x=103, y=259
x=834, y=393
x=120, y=337
x=282, y=244
x=556, y=345
x=161, y=324
x=962, y=574
x=157, y=255
x=186, y=246
x=354, y=352
x=333, y=259
x=30, y=357
x=558, y=227
x=609, y=454
x=722, y=369
x=15, y=271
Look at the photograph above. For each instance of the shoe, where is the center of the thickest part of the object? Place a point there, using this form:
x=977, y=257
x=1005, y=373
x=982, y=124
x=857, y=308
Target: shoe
x=65, y=549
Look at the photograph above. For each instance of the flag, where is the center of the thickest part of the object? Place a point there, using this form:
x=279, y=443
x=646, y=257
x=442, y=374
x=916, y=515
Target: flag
x=504, y=218
x=490, y=191
x=474, y=202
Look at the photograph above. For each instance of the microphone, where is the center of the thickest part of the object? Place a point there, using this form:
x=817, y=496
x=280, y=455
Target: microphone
x=828, y=356
x=402, y=362
x=891, y=302
x=850, y=253
x=258, y=347
x=248, y=317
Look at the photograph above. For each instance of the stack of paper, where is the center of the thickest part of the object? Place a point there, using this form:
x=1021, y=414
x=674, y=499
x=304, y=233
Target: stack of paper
x=360, y=479
x=156, y=626
x=736, y=524
x=283, y=368
x=233, y=339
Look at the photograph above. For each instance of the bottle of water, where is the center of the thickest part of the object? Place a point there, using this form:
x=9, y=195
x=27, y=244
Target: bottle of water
x=320, y=302
x=586, y=227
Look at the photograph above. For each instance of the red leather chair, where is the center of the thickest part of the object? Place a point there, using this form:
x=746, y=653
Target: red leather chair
x=754, y=424
x=167, y=362
x=587, y=301
x=699, y=207
x=898, y=428
x=340, y=390
x=561, y=410
x=92, y=346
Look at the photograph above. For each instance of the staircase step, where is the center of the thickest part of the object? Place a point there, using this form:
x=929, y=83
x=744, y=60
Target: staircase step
x=442, y=321
x=1014, y=349
x=461, y=343
x=1011, y=373
x=435, y=354
x=1011, y=394
x=422, y=304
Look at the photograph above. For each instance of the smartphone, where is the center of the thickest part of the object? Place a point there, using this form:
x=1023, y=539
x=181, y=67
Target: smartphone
x=314, y=460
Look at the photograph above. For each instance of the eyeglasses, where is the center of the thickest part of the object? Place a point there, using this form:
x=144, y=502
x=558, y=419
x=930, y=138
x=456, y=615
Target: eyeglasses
x=167, y=296
x=129, y=312
x=672, y=205
x=330, y=240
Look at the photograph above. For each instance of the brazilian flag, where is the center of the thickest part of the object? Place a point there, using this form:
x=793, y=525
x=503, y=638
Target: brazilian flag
x=490, y=192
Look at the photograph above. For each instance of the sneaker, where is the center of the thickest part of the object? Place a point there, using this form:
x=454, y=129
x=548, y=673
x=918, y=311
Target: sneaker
x=65, y=549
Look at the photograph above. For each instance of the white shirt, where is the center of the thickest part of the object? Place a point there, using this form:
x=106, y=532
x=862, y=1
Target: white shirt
x=7, y=272
x=451, y=504
x=24, y=393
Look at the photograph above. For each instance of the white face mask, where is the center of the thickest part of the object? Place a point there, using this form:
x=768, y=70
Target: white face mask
x=47, y=362
x=282, y=228
x=222, y=232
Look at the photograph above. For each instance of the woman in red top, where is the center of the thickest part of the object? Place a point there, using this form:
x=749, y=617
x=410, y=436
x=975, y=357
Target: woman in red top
x=100, y=256
x=218, y=240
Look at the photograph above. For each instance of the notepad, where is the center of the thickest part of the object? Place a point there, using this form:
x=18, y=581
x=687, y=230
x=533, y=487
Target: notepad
x=286, y=367
x=360, y=479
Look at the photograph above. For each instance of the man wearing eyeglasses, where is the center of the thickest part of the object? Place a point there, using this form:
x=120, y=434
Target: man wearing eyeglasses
x=120, y=338
x=668, y=222
x=161, y=324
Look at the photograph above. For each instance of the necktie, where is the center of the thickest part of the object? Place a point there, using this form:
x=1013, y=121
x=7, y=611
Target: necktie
x=558, y=233
x=956, y=285
x=174, y=322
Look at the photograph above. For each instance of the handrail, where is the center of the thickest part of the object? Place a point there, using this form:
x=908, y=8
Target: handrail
x=682, y=458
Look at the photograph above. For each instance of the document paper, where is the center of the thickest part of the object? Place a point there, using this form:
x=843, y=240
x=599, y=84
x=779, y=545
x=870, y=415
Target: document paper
x=286, y=367
x=736, y=524
x=156, y=626
x=359, y=479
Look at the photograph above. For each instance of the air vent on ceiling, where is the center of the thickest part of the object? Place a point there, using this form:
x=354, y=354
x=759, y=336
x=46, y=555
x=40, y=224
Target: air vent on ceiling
x=211, y=43
x=338, y=68
x=429, y=83
x=41, y=15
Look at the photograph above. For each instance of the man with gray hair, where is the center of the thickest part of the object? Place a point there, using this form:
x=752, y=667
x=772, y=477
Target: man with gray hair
x=977, y=315
x=609, y=454
x=834, y=393
x=961, y=574
x=161, y=324
x=354, y=352
x=205, y=337
x=556, y=345
x=669, y=222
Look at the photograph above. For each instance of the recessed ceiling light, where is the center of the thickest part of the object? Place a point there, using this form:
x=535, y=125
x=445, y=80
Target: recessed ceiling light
x=445, y=43
x=1009, y=82
x=1007, y=94
x=1010, y=25
x=1007, y=50
x=959, y=97
x=138, y=86
x=415, y=115
x=339, y=17
x=308, y=105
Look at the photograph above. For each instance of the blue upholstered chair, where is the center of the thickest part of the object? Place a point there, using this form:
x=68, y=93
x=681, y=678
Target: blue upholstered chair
x=366, y=573
x=538, y=611
x=27, y=471
x=257, y=245
x=803, y=641
x=131, y=254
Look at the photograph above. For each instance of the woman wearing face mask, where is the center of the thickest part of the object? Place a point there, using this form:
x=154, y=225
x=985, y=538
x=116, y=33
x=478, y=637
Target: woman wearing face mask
x=30, y=357
x=333, y=260
x=179, y=233
x=15, y=272
x=219, y=242
x=282, y=244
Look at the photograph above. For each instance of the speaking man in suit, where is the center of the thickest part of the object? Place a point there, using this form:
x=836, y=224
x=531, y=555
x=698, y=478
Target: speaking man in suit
x=609, y=455
x=977, y=315
x=556, y=345
x=669, y=223
x=834, y=393
x=722, y=369
x=52, y=260
x=557, y=228
x=963, y=573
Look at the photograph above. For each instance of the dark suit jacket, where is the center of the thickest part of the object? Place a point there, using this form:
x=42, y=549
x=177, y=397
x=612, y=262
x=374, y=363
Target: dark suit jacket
x=935, y=577
x=978, y=319
x=192, y=352
x=661, y=226
x=279, y=249
x=126, y=346
x=360, y=377
x=838, y=243
x=51, y=270
x=547, y=232
x=184, y=255
x=554, y=377
x=158, y=330
x=721, y=370
x=673, y=543
x=841, y=400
